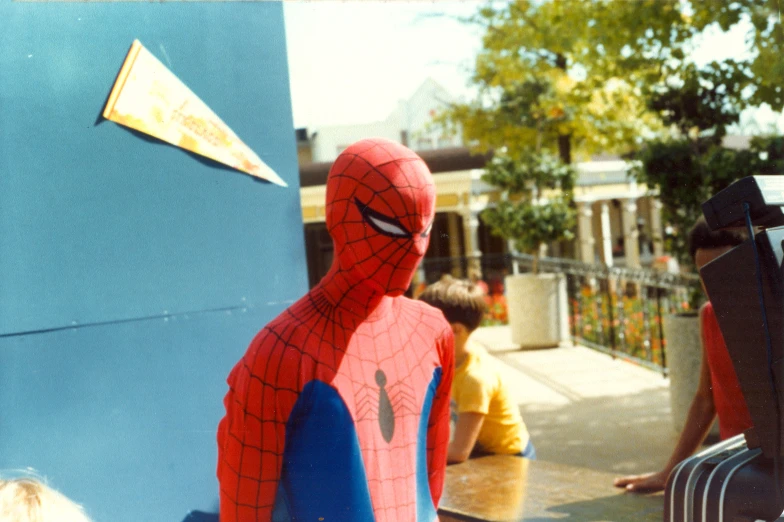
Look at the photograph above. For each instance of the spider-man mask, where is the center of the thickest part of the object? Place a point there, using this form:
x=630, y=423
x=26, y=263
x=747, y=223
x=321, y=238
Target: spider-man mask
x=380, y=208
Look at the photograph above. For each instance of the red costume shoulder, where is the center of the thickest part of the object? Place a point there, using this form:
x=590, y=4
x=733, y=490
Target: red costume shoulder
x=263, y=389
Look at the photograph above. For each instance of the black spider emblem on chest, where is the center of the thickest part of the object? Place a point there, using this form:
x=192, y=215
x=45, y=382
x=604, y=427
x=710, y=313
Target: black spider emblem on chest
x=386, y=403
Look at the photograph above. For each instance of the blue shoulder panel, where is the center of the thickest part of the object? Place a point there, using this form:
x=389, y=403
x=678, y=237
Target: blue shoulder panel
x=323, y=475
x=425, y=510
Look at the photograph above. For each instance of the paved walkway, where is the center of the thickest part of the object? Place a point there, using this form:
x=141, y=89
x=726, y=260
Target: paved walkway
x=584, y=408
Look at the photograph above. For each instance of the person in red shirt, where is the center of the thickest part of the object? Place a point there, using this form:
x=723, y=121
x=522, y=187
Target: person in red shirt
x=718, y=391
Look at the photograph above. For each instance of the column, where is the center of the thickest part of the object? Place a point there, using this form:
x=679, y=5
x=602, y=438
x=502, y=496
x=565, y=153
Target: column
x=631, y=245
x=471, y=240
x=657, y=231
x=606, y=235
x=585, y=231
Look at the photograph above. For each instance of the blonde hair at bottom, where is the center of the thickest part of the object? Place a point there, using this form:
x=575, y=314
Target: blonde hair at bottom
x=29, y=500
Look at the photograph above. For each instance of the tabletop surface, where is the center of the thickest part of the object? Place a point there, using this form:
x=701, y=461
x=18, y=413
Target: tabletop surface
x=502, y=488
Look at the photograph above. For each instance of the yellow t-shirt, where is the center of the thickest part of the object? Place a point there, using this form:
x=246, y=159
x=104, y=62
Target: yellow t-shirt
x=477, y=387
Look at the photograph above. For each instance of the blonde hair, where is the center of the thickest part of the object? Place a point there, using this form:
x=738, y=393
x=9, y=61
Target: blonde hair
x=28, y=500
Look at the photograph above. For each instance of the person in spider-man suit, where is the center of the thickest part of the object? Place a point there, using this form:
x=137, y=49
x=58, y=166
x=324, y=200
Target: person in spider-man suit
x=339, y=410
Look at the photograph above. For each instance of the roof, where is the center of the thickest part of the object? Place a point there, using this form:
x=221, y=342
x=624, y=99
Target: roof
x=439, y=160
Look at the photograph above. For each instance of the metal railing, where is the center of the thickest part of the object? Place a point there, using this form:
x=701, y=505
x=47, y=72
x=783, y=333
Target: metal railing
x=616, y=310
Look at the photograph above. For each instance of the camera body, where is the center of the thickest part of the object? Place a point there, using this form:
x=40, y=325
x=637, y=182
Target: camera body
x=733, y=284
x=738, y=479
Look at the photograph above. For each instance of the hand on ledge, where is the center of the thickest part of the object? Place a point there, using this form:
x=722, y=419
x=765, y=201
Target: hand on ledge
x=647, y=483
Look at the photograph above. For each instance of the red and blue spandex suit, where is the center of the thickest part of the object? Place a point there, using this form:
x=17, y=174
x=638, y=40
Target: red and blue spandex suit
x=339, y=409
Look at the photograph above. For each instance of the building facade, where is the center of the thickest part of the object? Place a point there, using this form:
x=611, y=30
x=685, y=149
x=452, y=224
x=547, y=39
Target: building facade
x=619, y=221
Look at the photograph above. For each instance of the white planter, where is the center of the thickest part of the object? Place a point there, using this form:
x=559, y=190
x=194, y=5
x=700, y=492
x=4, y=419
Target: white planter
x=538, y=310
x=684, y=357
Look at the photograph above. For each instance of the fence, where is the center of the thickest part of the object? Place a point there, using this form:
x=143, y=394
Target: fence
x=615, y=310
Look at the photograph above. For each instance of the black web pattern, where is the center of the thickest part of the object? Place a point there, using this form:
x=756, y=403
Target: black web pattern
x=342, y=333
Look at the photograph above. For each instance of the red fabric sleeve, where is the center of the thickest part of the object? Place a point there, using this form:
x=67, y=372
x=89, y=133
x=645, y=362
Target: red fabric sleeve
x=438, y=425
x=251, y=436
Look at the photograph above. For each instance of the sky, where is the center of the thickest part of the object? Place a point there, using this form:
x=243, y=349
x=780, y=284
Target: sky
x=352, y=61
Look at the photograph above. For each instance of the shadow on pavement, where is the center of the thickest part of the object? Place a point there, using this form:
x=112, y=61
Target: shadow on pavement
x=617, y=434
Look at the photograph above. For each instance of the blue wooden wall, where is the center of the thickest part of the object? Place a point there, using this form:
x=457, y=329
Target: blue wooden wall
x=132, y=275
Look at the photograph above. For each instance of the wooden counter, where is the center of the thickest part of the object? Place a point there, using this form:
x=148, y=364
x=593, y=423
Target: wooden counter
x=503, y=489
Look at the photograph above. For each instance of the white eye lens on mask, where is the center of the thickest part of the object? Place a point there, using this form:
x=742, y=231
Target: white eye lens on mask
x=387, y=228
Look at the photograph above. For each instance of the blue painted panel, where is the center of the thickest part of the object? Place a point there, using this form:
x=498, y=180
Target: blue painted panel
x=122, y=418
x=98, y=224
x=144, y=271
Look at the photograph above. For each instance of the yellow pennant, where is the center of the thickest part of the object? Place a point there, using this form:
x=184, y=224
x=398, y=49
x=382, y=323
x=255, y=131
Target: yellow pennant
x=149, y=98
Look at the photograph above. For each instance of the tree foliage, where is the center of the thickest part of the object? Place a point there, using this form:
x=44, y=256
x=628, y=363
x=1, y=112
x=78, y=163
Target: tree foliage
x=698, y=105
x=552, y=75
x=763, y=68
x=568, y=75
x=576, y=77
x=536, y=207
x=688, y=172
x=530, y=175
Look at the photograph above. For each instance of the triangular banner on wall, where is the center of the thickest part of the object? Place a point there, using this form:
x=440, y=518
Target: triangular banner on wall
x=149, y=98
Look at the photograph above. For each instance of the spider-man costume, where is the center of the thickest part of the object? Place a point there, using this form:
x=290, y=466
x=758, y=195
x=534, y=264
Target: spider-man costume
x=339, y=410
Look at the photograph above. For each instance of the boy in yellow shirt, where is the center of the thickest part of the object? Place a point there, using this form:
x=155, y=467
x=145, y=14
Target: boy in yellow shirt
x=487, y=421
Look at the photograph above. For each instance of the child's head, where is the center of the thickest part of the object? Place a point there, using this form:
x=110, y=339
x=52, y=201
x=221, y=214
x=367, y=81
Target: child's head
x=462, y=302
x=705, y=244
x=28, y=500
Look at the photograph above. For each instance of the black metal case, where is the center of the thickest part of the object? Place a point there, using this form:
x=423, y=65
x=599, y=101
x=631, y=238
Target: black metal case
x=726, y=482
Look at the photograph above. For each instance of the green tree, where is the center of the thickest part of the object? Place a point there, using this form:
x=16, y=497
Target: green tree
x=574, y=77
x=561, y=75
x=691, y=164
x=763, y=66
x=551, y=77
x=536, y=201
x=688, y=171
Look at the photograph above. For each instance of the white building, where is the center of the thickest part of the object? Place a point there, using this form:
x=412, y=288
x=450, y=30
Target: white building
x=407, y=124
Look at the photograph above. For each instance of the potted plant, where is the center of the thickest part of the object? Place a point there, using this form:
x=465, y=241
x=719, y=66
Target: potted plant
x=535, y=209
x=683, y=352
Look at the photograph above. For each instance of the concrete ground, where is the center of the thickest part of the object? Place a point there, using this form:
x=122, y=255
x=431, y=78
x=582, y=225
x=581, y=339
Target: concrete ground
x=584, y=408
